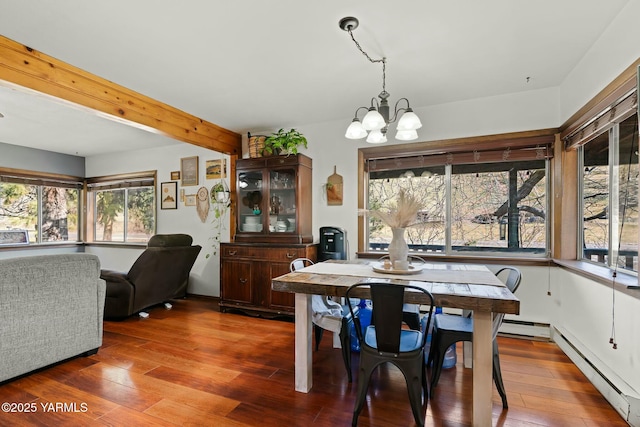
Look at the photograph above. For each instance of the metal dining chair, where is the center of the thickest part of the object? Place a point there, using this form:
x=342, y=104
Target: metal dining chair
x=346, y=321
x=410, y=312
x=449, y=329
x=385, y=340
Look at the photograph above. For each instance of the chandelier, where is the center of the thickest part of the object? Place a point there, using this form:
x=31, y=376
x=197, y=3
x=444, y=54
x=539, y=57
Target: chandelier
x=376, y=121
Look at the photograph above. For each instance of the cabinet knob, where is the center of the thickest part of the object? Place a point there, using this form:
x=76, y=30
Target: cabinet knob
x=233, y=253
x=290, y=255
x=243, y=281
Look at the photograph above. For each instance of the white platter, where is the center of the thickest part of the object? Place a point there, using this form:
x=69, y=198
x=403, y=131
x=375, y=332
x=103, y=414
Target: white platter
x=379, y=268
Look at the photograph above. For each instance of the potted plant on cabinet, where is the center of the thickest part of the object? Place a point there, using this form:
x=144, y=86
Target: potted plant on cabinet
x=285, y=143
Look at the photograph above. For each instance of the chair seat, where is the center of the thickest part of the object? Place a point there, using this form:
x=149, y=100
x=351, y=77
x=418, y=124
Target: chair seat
x=448, y=322
x=410, y=340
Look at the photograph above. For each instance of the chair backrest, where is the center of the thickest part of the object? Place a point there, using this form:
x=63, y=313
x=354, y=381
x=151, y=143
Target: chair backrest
x=161, y=272
x=299, y=263
x=387, y=303
x=512, y=282
x=513, y=278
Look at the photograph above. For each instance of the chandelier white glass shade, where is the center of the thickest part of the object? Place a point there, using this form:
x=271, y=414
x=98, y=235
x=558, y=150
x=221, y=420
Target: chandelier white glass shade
x=375, y=123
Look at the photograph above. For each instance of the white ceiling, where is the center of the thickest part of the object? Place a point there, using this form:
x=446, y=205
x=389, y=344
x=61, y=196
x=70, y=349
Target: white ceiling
x=255, y=65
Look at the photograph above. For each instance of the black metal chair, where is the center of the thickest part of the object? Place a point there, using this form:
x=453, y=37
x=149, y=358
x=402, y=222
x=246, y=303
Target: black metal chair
x=449, y=329
x=410, y=312
x=385, y=340
x=345, y=329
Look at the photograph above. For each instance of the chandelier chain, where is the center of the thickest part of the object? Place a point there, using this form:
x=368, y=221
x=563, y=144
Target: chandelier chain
x=373, y=61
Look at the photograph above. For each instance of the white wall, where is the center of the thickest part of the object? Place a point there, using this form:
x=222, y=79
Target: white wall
x=205, y=275
x=611, y=54
x=583, y=310
x=18, y=157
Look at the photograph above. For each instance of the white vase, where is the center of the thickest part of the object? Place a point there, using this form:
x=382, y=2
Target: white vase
x=398, y=248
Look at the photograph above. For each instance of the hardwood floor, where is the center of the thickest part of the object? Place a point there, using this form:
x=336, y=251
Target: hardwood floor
x=195, y=366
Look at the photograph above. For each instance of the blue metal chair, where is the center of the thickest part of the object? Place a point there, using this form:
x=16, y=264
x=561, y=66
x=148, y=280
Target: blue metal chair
x=385, y=340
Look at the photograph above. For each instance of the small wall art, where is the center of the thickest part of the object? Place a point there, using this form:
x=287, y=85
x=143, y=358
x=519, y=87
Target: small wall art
x=175, y=175
x=216, y=169
x=168, y=195
x=189, y=171
x=190, y=200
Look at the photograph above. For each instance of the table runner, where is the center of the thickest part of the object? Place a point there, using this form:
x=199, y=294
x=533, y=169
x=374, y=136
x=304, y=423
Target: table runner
x=431, y=272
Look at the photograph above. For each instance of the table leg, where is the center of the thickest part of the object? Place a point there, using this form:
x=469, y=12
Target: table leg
x=303, y=353
x=467, y=347
x=482, y=368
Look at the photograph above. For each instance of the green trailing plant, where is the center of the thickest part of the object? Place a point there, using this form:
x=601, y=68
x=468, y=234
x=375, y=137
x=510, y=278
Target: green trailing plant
x=284, y=142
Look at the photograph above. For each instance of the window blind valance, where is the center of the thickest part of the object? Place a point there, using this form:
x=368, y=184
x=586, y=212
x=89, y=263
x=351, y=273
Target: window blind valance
x=141, y=179
x=44, y=181
x=542, y=152
x=619, y=110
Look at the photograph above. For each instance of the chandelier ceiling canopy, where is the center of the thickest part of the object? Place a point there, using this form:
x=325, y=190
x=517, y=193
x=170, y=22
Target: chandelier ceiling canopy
x=376, y=121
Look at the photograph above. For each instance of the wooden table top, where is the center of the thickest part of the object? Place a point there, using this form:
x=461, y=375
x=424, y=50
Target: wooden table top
x=471, y=296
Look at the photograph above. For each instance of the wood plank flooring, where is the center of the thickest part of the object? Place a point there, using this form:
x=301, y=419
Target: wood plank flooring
x=194, y=366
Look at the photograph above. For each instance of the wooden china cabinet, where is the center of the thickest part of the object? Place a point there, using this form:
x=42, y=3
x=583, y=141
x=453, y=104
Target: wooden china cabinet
x=273, y=227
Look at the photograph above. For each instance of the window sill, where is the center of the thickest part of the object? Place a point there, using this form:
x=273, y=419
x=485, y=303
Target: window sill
x=624, y=282
x=117, y=245
x=513, y=260
x=40, y=246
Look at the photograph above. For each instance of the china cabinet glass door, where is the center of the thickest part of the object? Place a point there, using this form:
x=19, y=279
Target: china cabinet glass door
x=251, y=203
x=282, y=201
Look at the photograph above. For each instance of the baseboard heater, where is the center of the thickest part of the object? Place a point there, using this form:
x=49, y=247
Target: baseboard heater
x=621, y=396
x=519, y=328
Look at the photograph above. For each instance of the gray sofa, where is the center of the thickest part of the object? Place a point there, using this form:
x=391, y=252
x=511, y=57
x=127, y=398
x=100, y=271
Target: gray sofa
x=51, y=309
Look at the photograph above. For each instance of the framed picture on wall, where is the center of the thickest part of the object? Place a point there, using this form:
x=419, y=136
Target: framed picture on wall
x=169, y=195
x=175, y=175
x=190, y=200
x=189, y=171
x=216, y=169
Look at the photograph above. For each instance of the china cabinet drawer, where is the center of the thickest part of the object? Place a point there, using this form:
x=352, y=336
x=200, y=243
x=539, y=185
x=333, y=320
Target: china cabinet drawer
x=270, y=253
x=246, y=271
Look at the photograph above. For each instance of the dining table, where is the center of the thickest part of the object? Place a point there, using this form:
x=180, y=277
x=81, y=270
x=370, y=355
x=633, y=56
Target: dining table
x=456, y=285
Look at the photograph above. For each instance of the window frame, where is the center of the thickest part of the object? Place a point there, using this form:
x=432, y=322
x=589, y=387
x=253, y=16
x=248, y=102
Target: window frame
x=613, y=137
x=565, y=203
x=112, y=182
x=45, y=179
x=516, y=140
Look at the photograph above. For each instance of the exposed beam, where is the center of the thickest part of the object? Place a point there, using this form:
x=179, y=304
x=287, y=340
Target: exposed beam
x=25, y=67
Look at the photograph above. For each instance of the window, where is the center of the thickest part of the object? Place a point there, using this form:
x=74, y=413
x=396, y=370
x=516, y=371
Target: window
x=121, y=208
x=488, y=202
x=609, y=196
x=499, y=207
x=46, y=206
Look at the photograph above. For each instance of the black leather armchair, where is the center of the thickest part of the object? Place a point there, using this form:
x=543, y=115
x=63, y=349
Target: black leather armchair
x=160, y=273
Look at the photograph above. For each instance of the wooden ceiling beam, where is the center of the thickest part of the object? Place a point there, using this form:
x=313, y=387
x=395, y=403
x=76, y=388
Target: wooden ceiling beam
x=25, y=67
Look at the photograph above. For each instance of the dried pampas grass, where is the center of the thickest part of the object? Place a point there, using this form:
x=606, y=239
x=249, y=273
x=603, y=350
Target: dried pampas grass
x=403, y=216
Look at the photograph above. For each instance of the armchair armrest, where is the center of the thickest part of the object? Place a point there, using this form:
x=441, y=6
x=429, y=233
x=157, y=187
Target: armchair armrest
x=119, y=294
x=114, y=276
